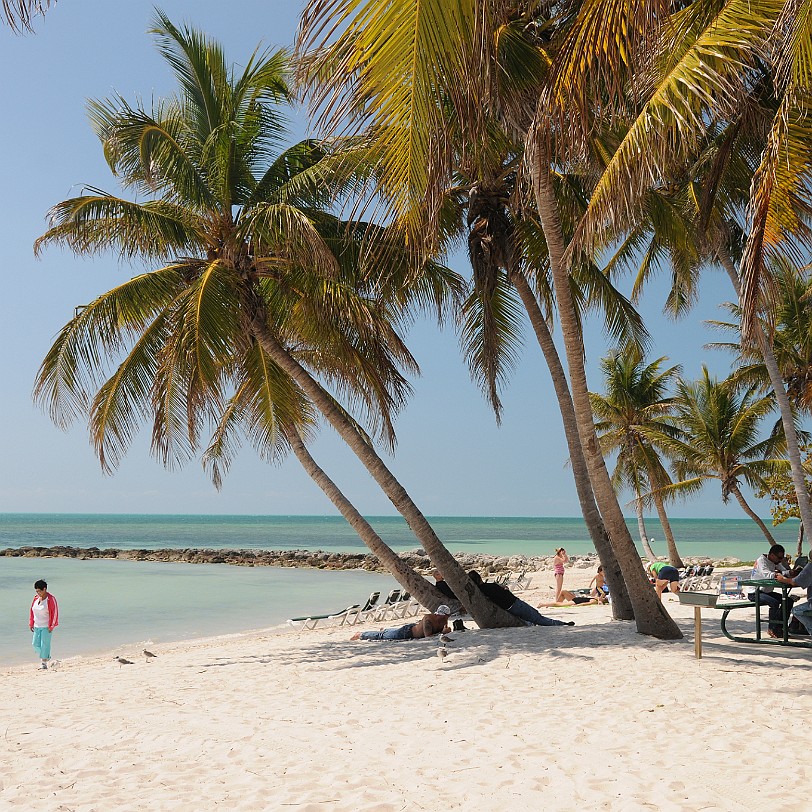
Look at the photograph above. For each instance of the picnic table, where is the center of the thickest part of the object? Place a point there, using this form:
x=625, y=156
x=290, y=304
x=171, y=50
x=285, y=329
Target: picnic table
x=758, y=585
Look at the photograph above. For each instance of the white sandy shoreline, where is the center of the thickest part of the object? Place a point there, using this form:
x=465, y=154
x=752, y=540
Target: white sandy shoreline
x=514, y=719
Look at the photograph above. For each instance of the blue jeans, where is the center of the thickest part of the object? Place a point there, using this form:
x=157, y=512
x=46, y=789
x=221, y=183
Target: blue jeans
x=532, y=616
x=803, y=611
x=397, y=633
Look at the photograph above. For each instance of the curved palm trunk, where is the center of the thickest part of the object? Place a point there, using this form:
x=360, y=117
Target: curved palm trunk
x=621, y=605
x=674, y=558
x=411, y=581
x=641, y=529
x=781, y=397
x=751, y=513
x=650, y=615
x=800, y=550
x=485, y=613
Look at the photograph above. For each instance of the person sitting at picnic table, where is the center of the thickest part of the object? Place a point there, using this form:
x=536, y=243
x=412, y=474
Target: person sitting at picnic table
x=664, y=576
x=428, y=625
x=803, y=611
x=767, y=567
x=505, y=599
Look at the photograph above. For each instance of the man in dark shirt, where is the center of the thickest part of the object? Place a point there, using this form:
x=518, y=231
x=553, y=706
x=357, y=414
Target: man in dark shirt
x=505, y=599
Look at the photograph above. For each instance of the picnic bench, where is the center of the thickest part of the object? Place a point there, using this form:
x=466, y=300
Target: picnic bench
x=710, y=600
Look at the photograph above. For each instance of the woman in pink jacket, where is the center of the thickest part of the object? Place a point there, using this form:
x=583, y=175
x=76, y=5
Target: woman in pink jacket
x=43, y=618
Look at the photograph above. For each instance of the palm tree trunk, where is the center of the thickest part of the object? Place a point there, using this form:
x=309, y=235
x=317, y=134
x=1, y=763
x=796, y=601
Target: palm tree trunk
x=411, y=581
x=781, y=398
x=650, y=615
x=641, y=528
x=800, y=550
x=485, y=613
x=674, y=558
x=751, y=513
x=621, y=605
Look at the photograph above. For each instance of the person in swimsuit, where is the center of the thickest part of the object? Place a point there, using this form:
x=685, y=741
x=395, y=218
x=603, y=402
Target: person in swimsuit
x=559, y=560
x=429, y=625
x=598, y=587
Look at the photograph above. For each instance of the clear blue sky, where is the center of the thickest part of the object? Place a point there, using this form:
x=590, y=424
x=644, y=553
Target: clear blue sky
x=451, y=455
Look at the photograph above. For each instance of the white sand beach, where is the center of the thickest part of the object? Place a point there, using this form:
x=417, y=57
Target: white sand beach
x=594, y=716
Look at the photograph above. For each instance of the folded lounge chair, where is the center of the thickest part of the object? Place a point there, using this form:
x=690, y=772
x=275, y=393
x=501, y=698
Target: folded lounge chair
x=350, y=615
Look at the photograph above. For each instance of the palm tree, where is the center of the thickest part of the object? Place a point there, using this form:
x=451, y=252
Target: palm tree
x=791, y=341
x=713, y=71
x=413, y=73
x=721, y=441
x=261, y=290
x=633, y=420
x=19, y=14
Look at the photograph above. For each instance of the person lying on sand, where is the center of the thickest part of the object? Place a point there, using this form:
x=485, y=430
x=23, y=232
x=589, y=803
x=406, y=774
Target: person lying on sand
x=428, y=625
x=571, y=599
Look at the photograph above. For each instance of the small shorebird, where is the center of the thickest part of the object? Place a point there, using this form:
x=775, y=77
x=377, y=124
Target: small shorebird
x=122, y=661
x=149, y=655
x=442, y=652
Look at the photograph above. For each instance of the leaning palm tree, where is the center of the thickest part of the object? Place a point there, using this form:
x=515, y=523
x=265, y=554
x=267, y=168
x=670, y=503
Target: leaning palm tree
x=632, y=419
x=721, y=441
x=413, y=73
x=261, y=293
x=791, y=341
x=710, y=65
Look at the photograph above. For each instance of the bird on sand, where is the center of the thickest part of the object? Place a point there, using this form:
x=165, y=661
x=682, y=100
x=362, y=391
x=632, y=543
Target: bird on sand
x=442, y=652
x=149, y=655
x=122, y=661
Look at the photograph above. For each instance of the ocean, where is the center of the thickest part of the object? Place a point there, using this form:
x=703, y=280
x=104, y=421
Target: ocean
x=108, y=604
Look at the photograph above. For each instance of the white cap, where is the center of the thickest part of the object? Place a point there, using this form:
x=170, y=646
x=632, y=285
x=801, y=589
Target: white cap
x=442, y=609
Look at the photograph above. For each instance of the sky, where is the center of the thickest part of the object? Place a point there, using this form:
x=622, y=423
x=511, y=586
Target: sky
x=451, y=455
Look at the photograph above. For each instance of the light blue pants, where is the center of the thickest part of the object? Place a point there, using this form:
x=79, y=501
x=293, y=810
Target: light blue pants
x=531, y=616
x=803, y=611
x=42, y=643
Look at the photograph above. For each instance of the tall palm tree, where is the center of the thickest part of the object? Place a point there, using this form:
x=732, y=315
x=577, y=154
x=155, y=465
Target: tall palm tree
x=263, y=291
x=408, y=69
x=711, y=64
x=633, y=420
x=721, y=441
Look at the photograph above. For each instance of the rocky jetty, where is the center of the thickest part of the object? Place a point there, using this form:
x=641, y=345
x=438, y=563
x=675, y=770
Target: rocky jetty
x=319, y=559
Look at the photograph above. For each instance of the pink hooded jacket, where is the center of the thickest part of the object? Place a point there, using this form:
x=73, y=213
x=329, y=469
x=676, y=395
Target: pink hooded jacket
x=53, y=612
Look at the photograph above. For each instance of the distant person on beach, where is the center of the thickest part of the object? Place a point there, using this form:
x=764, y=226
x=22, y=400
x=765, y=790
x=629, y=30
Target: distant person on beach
x=43, y=618
x=769, y=566
x=429, y=625
x=803, y=611
x=505, y=599
x=664, y=576
x=559, y=560
x=598, y=588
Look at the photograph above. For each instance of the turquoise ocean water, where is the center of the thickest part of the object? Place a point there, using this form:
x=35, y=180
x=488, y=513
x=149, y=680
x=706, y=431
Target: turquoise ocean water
x=108, y=604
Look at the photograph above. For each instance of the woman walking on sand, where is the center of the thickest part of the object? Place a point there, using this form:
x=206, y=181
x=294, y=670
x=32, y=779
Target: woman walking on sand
x=559, y=560
x=43, y=618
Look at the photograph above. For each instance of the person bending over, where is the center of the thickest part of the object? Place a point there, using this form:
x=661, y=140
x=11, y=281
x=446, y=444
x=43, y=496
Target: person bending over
x=427, y=626
x=505, y=599
x=664, y=576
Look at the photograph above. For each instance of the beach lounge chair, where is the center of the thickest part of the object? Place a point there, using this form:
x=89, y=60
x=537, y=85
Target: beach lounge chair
x=361, y=613
x=392, y=599
x=311, y=621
